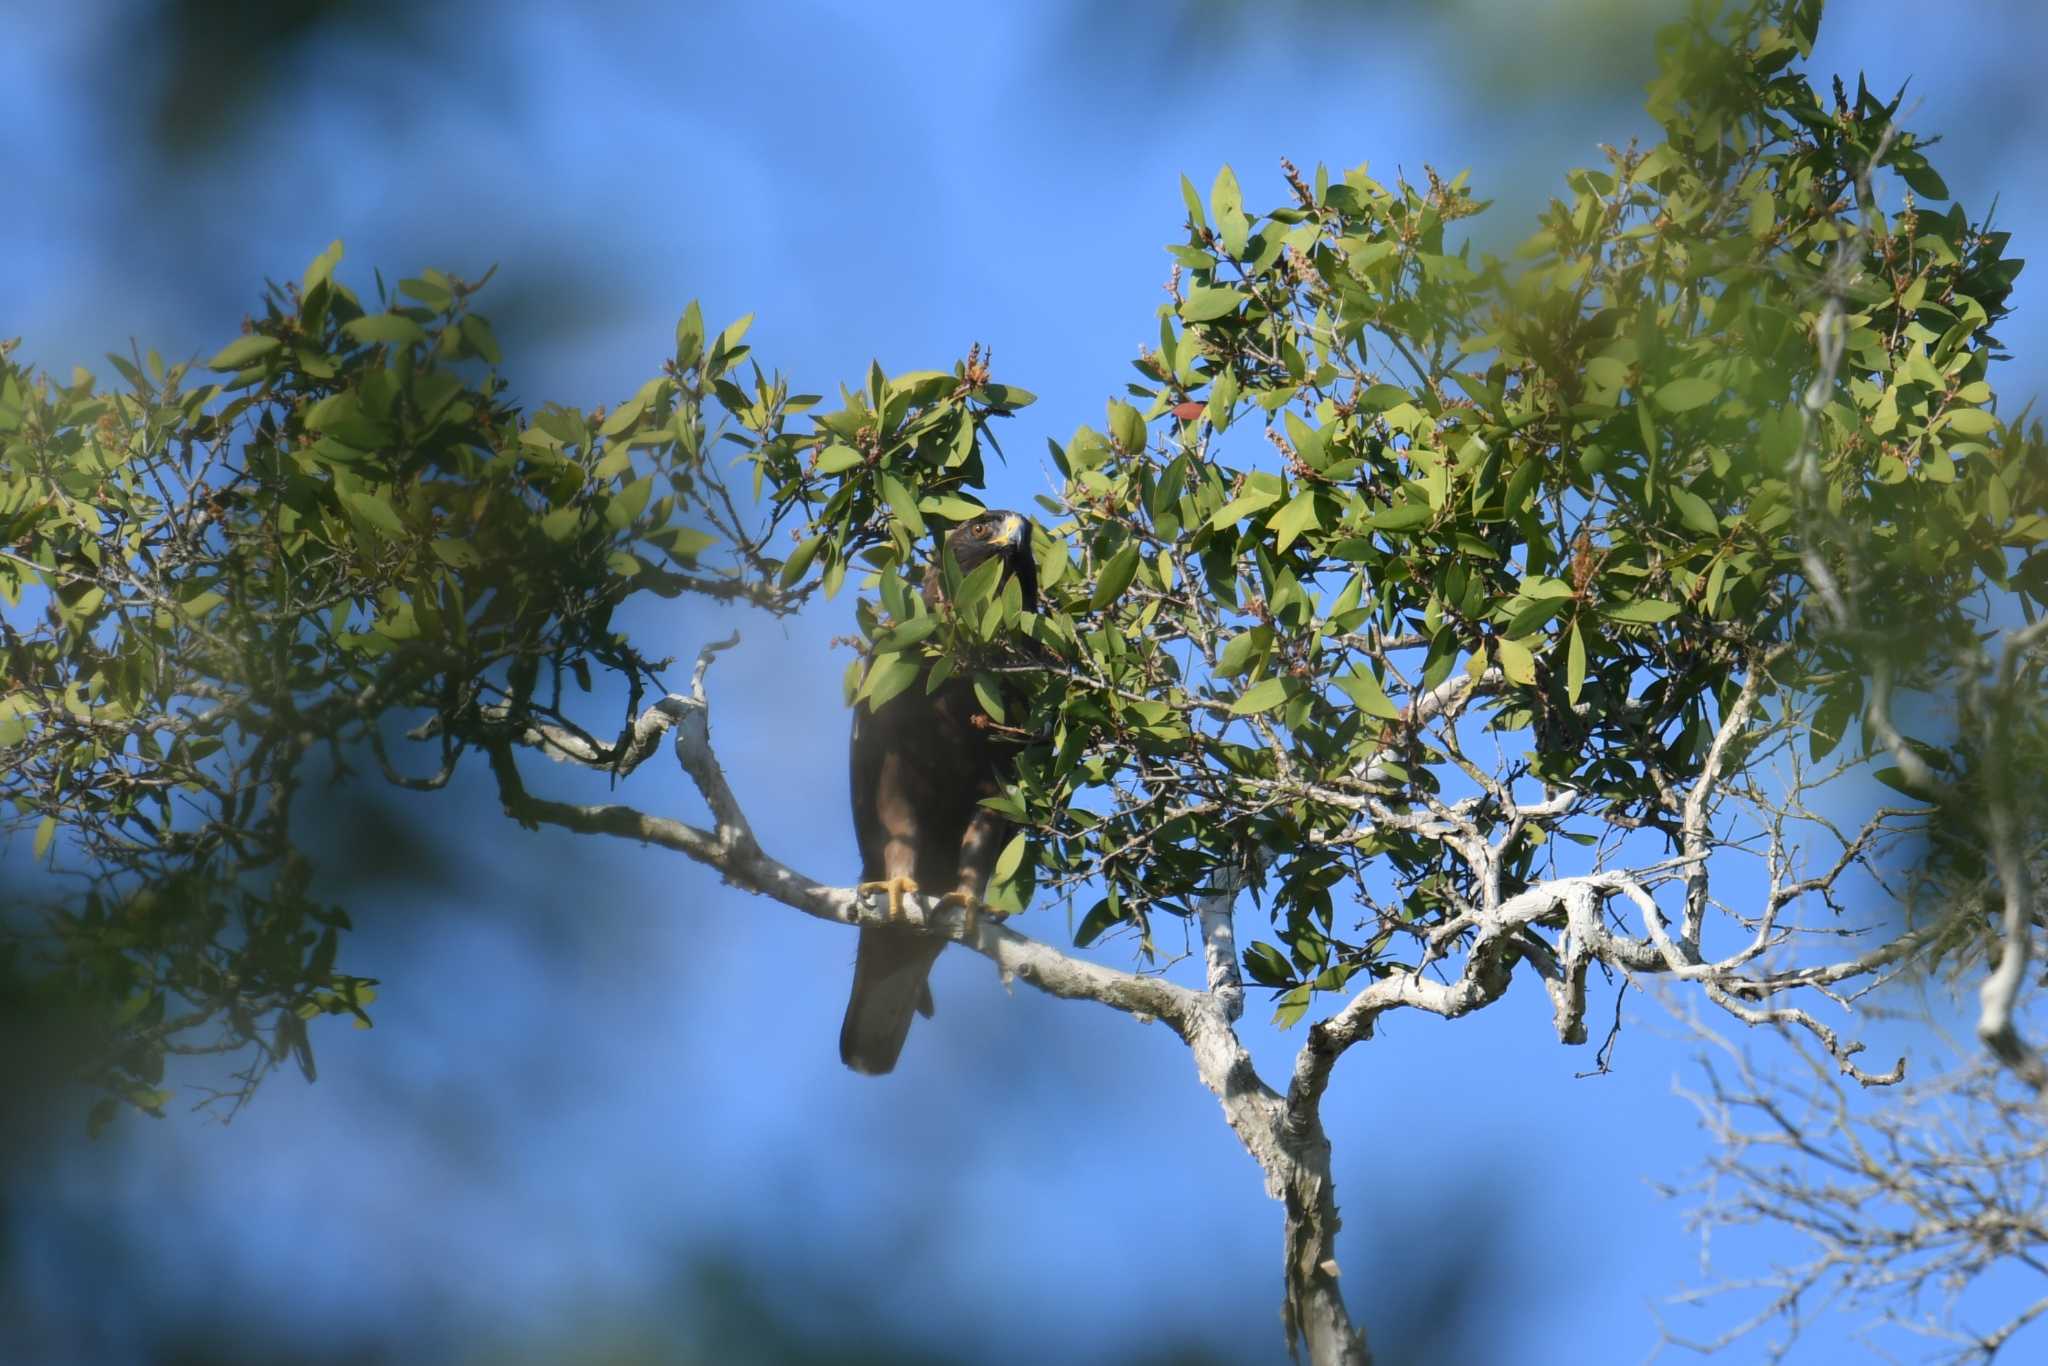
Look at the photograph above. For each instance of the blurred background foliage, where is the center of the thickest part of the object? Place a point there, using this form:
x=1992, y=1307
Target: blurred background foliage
x=177, y=145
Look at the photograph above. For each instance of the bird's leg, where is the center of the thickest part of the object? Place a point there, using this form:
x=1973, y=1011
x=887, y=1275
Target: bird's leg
x=979, y=845
x=896, y=887
x=970, y=906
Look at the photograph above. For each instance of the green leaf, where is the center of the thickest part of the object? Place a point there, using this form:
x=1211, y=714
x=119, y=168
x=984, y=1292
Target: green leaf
x=905, y=633
x=1251, y=502
x=375, y=510
x=1227, y=204
x=1969, y=421
x=622, y=417
x=1575, y=665
x=1007, y=396
x=1126, y=427
x=799, y=560
x=1516, y=661
x=886, y=677
x=903, y=505
x=837, y=459
x=1116, y=577
x=435, y=296
x=729, y=339
x=1222, y=399
x=1004, y=890
x=1896, y=780
x=455, y=554
x=1763, y=214
x=1224, y=196
x=629, y=502
x=1640, y=612
x=950, y=506
x=1244, y=651
x=320, y=272
x=476, y=330
x=979, y=586
x=561, y=523
x=334, y=411
x=986, y=693
x=1291, y=521
x=1536, y=616
x=1401, y=517
x=1012, y=857
x=1206, y=303
x=1683, y=395
x=1366, y=693
x=1099, y=918
x=1922, y=178
x=686, y=543
x=1695, y=512
x=394, y=329
x=46, y=831
x=1292, y=1005
x=1262, y=697
x=237, y=355
x=1831, y=719
x=690, y=335
x=198, y=606
x=1607, y=372
x=1266, y=965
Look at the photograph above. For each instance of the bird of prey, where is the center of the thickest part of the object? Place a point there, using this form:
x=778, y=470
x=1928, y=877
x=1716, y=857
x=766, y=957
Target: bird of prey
x=921, y=764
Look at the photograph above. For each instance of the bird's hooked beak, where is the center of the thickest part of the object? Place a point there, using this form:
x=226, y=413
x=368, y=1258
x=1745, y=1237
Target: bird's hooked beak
x=1016, y=532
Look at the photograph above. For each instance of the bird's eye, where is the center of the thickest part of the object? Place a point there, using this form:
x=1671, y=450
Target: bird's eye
x=984, y=529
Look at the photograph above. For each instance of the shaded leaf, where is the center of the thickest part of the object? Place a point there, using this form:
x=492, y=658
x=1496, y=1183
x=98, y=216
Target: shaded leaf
x=1683, y=395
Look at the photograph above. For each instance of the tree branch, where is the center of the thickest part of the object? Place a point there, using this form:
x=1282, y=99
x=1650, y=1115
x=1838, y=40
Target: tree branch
x=2000, y=991
x=731, y=848
x=1293, y=1153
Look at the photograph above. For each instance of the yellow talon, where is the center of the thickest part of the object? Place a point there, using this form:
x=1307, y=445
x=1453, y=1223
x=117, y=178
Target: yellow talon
x=971, y=907
x=896, y=887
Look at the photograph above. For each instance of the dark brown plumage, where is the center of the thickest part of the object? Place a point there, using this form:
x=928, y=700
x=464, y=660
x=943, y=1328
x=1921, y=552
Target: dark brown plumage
x=920, y=766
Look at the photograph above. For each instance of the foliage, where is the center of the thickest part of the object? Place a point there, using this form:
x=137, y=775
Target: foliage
x=211, y=583
x=1403, y=579
x=1583, y=479
x=1490, y=617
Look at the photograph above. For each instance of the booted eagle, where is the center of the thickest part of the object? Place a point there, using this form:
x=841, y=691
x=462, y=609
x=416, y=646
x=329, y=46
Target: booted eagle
x=921, y=763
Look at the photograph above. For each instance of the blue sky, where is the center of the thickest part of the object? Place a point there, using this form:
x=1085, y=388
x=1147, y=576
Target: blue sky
x=592, y=1061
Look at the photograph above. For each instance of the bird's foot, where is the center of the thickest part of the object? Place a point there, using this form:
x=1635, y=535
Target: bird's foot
x=896, y=887
x=972, y=909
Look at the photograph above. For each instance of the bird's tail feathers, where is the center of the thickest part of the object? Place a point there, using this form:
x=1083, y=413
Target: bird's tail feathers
x=891, y=982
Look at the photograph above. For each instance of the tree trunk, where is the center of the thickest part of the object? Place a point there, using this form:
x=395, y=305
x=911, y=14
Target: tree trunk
x=1314, y=1311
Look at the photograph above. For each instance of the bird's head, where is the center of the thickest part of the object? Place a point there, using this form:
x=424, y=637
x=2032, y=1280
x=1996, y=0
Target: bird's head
x=998, y=533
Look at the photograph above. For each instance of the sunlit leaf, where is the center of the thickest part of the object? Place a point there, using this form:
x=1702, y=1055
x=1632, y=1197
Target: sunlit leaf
x=237, y=354
x=1262, y=697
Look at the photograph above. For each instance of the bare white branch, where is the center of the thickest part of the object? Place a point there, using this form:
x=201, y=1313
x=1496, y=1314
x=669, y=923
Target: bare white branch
x=1219, y=942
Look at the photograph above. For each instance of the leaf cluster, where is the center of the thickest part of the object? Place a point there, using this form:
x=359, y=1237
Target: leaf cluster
x=1379, y=503
x=1401, y=575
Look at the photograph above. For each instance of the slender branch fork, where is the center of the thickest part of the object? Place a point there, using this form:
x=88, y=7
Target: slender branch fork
x=1282, y=1131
